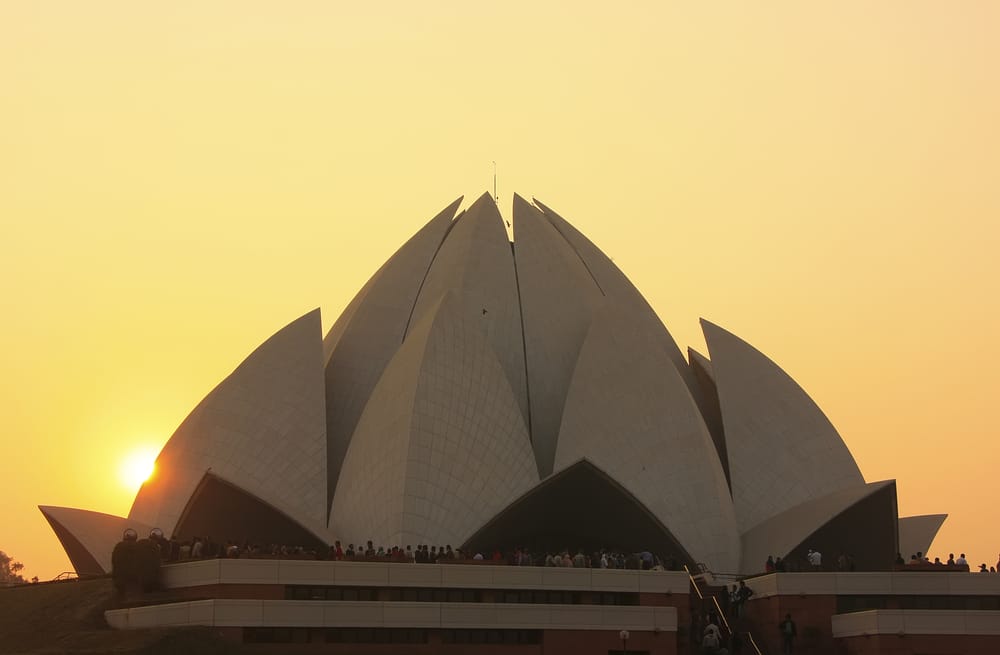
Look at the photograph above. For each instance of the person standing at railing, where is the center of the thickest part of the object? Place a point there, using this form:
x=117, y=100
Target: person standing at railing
x=742, y=595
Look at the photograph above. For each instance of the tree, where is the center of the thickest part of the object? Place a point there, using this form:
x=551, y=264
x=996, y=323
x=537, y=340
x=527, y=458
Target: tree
x=10, y=571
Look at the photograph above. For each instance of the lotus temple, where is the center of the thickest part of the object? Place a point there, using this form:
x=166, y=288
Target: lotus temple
x=493, y=394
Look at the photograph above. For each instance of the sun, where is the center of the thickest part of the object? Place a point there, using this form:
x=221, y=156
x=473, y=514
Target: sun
x=137, y=467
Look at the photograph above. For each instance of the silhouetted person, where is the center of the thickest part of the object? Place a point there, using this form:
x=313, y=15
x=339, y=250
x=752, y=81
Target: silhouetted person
x=743, y=594
x=788, y=632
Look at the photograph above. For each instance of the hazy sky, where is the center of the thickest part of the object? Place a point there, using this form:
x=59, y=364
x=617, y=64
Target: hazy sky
x=178, y=181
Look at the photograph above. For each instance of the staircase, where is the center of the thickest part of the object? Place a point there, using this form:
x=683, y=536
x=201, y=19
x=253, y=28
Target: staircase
x=737, y=636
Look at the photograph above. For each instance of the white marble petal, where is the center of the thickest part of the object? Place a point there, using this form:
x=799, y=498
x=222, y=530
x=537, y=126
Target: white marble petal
x=616, y=286
x=782, y=449
x=782, y=533
x=916, y=533
x=629, y=412
x=97, y=534
x=476, y=264
x=370, y=331
x=441, y=447
x=263, y=429
x=558, y=298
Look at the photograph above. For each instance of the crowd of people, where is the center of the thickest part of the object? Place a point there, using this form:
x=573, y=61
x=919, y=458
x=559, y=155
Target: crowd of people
x=521, y=556
x=918, y=559
x=174, y=550
x=813, y=561
x=844, y=562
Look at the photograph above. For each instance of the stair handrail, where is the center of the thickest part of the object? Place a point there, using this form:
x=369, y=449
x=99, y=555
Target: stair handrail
x=721, y=614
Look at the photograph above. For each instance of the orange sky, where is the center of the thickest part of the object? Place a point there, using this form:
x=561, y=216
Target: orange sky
x=177, y=182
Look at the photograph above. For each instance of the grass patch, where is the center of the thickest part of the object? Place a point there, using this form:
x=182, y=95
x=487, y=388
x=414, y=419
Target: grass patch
x=68, y=617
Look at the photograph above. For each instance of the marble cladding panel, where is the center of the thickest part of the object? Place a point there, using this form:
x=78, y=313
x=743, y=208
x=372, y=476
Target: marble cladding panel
x=475, y=263
x=558, y=298
x=287, y=613
x=356, y=614
x=239, y=612
x=663, y=454
x=296, y=613
x=905, y=583
x=98, y=533
x=263, y=429
x=916, y=533
x=916, y=622
x=617, y=287
x=441, y=446
x=361, y=347
x=250, y=571
x=369, y=496
x=469, y=451
x=783, y=532
x=448, y=576
x=191, y=574
x=782, y=449
x=412, y=615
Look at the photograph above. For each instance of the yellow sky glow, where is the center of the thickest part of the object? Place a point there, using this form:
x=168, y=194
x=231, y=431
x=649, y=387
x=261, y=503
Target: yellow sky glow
x=180, y=180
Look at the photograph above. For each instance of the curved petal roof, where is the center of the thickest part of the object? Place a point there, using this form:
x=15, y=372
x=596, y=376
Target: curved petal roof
x=783, y=533
x=782, y=449
x=476, y=264
x=370, y=331
x=916, y=533
x=614, y=284
x=707, y=397
x=558, y=298
x=629, y=412
x=442, y=445
x=263, y=429
x=90, y=537
x=551, y=517
x=467, y=374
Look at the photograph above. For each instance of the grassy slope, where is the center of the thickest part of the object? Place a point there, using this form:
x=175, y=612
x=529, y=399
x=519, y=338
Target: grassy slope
x=68, y=617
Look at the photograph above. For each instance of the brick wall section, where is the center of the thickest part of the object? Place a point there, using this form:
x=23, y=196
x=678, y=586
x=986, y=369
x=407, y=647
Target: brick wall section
x=918, y=644
x=572, y=642
x=812, y=621
x=554, y=642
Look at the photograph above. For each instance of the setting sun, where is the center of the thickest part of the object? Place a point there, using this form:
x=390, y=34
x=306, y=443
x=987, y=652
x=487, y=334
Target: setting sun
x=137, y=467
